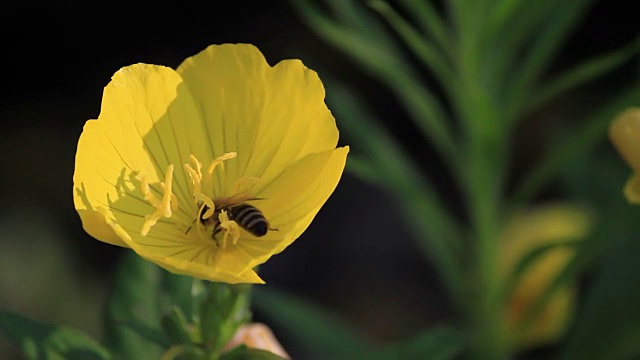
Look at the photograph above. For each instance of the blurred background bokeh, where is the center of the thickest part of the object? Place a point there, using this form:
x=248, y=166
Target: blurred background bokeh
x=357, y=259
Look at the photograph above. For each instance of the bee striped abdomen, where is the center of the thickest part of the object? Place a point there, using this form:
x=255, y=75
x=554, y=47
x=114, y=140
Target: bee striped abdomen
x=249, y=218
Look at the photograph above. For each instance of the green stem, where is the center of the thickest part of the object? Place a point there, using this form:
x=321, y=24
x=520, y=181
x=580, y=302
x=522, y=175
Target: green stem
x=484, y=193
x=485, y=130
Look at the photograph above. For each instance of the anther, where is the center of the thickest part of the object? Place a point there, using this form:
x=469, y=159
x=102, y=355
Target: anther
x=230, y=228
x=219, y=160
x=195, y=174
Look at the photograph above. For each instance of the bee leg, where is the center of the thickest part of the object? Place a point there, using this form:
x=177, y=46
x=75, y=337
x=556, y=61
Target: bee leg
x=216, y=230
x=189, y=228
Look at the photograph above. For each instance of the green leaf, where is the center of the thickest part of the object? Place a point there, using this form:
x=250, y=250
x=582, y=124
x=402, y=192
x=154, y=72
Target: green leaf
x=558, y=25
x=508, y=13
x=315, y=329
x=355, y=15
x=244, y=353
x=41, y=341
x=583, y=73
x=514, y=23
x=441, y=343
x=468, y=19
x=431, y=22
x=134, y=305
x=592, y=131
x=430, y=56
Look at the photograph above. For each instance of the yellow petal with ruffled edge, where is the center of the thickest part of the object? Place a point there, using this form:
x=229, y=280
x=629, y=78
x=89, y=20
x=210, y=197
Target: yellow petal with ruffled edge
x=290, y=202
x=270, y=116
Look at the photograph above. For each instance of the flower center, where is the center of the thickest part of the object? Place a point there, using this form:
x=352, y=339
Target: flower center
x=208, y=216
x=214, y=216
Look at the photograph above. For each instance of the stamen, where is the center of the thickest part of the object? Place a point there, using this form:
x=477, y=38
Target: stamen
x=174, y=203
x=203, y=200
x=206, y=201
x=163, y=207
x=195, y=175
x=230, y=227
x=198, y=196
x=219, y=160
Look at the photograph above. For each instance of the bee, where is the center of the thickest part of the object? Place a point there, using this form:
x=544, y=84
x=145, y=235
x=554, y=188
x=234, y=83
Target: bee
x=247, y=216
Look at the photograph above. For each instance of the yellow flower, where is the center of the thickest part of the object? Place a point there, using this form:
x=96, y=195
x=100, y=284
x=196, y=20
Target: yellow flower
x=173, y=152
x=528, y=231
x=625, y=135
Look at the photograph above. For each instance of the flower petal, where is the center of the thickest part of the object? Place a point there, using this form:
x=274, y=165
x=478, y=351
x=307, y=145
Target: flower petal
x=265, y=114
x=140, y=131
x=199, y=270
x=94, y=223
x=624, y=132
x=289, y=202
x=168, y=246
x=294, y=198
x=632, y=189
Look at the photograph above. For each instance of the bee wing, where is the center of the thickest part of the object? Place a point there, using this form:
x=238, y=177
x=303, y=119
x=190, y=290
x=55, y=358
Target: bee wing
x=232, y=200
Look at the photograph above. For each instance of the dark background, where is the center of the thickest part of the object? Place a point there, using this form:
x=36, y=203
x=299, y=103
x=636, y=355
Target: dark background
x=357, y=259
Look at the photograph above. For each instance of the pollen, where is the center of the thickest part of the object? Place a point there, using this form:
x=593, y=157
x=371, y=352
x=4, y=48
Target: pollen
x=163, y=206
x=197, y=179
x=230, y=228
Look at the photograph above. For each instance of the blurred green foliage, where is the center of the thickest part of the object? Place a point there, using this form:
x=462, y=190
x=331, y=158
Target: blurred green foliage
x=490, y=65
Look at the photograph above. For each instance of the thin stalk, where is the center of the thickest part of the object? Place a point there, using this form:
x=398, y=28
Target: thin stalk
x=483, y=126
x=485, y=198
